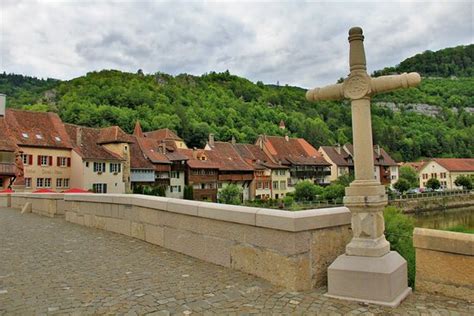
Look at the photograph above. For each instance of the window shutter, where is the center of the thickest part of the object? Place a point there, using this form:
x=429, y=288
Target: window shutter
x=39, y=160
x=50, y=160
x=120, y=167
x=111, y=167
x=30, y=159
x=57, y=161
x=105, y=187
x=69, y=162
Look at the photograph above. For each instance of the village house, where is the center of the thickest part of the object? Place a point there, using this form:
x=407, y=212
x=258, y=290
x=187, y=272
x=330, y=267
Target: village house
x=168, y=136
x=232, y=168
x=99, y=159
x=8, y=150
x=45, y=148
x=446, y=170
x=266, y=172
x=341, y=159
x=302, y=159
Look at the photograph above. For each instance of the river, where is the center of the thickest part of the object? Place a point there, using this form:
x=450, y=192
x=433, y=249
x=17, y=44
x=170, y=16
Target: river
x=446, y=219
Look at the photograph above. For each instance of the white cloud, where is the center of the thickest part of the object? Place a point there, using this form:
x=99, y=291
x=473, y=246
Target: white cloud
x=296, y=43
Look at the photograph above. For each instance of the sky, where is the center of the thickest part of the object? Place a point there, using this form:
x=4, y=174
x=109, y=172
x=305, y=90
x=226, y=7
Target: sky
x=294, y=42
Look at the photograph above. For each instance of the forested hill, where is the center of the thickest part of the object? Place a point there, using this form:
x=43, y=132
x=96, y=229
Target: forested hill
x=228, y=105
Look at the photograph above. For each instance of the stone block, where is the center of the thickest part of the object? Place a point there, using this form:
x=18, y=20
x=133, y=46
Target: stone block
x=60, y=207
x=284, y=242
x=210, y=249
x=154, y=234
x=326, y=245
x=27, y=208
x=89, y=220
x=444, y=241
x=228, y=213
x=147, y=215
x=100, y=222
x=291, y=272
x=137, y=230
x=153, y=202
x=183, y=206
x=378, y=280
x=116, y=225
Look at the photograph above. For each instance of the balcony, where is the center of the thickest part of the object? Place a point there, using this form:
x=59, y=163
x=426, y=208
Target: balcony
x=309, y=174
x=7, y=169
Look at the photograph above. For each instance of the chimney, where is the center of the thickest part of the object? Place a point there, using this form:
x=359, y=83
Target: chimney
x=137, y=131
x=233, y=140
x=211, y=140
x=79, y=136
x=3, y=101
x=162, y=148
x=338, y=148
x=377, y=150
x=287, y=138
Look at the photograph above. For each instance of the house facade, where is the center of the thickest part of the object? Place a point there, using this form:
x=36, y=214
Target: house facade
x=301, y=158
x=8, y=151
x=446, y=170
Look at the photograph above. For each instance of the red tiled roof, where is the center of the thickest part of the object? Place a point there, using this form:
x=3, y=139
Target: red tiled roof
x=151, y=149
x=162, y=134
x=7, y=142
x=37, y=129
x=456, y=164
x=347, y=152
x=415, y=165
x=137, y=131
x=138, y=160
x=113, y=134
x=227, y=157
x=84, y=141
x=256, y=157
x=296, y=151
x=193, y=158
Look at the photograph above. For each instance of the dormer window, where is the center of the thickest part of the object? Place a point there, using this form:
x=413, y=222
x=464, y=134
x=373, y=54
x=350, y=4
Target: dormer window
x=57, y=138
x=25, y=135
x=38, y=136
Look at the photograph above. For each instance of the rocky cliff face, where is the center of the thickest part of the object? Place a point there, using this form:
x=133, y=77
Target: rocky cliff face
x=421, y=108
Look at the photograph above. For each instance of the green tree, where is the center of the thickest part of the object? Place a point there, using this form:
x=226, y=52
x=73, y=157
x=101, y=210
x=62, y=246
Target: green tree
x=409, y=174
x=345, y=179
x=333, y=192
x=433, y=184
x=307, y=191
x=188, y=193
x=230, y=194
x=402, y=185
x=464, y=181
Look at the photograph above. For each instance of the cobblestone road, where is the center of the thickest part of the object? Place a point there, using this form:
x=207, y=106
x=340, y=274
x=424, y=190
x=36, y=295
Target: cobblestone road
x=49, y=266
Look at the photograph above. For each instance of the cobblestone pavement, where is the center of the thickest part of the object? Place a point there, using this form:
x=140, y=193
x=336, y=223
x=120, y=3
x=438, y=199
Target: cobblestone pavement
x=49, y=266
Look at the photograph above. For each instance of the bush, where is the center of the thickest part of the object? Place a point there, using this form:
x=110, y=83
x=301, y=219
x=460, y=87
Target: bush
x=333, y=192
x=188, y=193
x=399, y=232
x=230, y=195
x=464, y=181
x=433, y=184
x=288, y=200
x=307, y=191
x=402, y=185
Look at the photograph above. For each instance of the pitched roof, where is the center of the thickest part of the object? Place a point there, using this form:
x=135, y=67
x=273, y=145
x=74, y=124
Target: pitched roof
x=7, y=142
x=256, y=157
x=456, y=164
x=137, y=131
x=194, y=161
x=113, y=134
x=343, y=155
x=84, y=141
x=37, y=129
x=415, y=165
x=227, y=157
x=163, y=134
x=153, y=150
x=295, y=151
x=138, y=160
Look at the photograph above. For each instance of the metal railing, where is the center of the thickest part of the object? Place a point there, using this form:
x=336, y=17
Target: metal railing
x=425, y=195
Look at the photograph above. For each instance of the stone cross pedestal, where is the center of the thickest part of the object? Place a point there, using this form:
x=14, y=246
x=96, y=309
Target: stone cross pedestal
x=368, y=271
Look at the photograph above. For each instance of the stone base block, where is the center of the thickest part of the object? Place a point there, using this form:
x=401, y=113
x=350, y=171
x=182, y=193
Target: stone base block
x=376, y=280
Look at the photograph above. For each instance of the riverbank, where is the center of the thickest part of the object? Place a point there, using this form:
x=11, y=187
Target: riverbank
x=434, y=203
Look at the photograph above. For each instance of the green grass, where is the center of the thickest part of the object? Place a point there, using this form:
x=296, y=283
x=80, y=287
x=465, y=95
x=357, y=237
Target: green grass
x=461, y=229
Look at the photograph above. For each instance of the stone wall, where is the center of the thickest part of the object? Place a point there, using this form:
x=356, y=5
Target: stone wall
x=290, y=249
x=434, y=203
x=444, y=263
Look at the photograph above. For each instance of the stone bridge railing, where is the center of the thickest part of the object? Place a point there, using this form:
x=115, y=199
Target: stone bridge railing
x=290, y=249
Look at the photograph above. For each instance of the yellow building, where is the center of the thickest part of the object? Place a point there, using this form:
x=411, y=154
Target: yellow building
x=45, y=147
x=446, y=170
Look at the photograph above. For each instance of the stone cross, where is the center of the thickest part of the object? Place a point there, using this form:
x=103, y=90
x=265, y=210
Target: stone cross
x=365, y=197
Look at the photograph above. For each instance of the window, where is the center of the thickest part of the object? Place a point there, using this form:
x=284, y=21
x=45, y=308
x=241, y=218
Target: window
x=425, y=176
x=442, y=175
x=282, y=185
x=45, y=160
x=28, y=182
x=63, y=161
x=38, y=136
x=259, y=185
x=39, y=182
x=87, y=164
x=275, y=185
x=175, y=174
x=115, y=167
x=99, y=167
x=66, y=183
x=394, y=177
x=175, y=188
x=57, y=138
x=59, y=183
x=47, y=182
x=25, y=135
x=99, y=187
x=434, y=175
x=27, y=159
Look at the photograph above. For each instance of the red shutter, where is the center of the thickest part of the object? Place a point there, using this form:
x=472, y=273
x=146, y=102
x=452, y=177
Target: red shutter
x=69, y=162
x=39, y=160
x=57, y=161
x=50, y=160
x=30, y=159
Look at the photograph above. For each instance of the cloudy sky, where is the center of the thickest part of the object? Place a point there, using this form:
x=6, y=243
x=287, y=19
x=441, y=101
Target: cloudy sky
x=296, y=43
